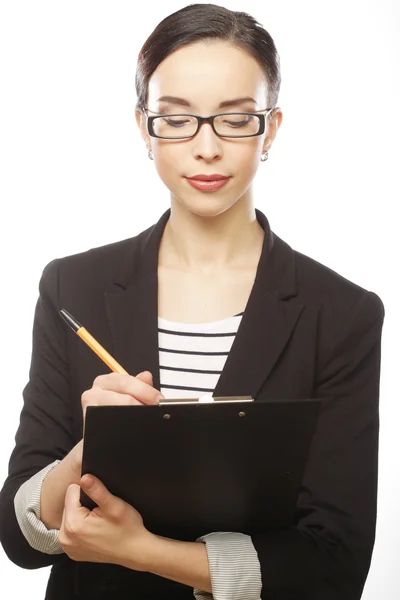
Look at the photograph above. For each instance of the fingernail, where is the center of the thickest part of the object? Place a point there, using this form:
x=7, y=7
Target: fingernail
x=87, y=481
x=160, y=397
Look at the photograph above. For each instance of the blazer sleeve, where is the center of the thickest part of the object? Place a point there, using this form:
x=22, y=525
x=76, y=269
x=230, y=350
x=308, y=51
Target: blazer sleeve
x=45, y=429
x=327, y=554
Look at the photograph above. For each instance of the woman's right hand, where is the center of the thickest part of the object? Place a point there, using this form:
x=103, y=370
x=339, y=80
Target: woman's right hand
x=107, y=389
x=121, y=389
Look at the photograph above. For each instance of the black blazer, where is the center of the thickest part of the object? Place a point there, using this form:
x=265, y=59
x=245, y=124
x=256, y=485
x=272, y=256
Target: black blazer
x=306, y=332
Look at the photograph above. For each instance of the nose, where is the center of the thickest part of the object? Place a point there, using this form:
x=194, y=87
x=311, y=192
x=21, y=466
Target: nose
x=206, y=143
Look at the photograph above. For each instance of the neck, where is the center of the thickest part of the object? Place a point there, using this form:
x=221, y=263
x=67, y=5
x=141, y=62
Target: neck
x=193, y=242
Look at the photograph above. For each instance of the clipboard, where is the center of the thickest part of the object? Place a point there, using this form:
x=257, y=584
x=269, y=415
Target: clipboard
x=196, y=468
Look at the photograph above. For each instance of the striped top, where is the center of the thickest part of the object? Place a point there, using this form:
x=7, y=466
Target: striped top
x=191, y=358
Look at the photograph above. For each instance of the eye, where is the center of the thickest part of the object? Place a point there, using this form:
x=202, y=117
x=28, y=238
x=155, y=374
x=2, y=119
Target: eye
x=176, y=122
x=238, y=121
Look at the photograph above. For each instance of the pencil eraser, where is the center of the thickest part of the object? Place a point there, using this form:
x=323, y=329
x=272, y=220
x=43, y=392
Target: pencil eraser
x=206, y=398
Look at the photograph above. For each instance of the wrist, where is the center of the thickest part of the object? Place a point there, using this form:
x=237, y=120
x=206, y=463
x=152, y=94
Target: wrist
x=140, y=551
x=184, y=562
x=74, y=461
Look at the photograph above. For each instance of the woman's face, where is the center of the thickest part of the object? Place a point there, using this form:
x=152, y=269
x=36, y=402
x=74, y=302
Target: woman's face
x=203, y=76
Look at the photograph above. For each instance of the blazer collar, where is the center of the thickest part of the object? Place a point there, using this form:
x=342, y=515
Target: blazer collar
x=266, y=326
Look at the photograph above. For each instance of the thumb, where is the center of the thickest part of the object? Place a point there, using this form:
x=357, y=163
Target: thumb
x=145, y=376
x=98, y=492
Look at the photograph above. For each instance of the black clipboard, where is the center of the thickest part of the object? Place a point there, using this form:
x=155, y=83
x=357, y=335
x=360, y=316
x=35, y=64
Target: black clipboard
x=198, y=468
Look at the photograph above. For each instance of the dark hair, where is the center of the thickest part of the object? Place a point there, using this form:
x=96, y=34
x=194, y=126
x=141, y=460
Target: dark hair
x=203, y=22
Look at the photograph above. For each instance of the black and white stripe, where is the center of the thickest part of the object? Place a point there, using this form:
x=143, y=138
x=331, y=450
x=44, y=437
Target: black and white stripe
x=192, y=355
x=234, y=567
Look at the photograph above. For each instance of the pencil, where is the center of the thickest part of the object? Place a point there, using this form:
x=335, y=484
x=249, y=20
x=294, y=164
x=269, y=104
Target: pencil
x=91, y=342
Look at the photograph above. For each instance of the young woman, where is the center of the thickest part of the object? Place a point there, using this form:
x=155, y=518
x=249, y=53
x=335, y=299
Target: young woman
x=208, y=300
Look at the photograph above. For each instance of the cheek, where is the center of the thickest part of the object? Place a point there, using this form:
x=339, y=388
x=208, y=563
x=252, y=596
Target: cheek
x=243, y=161
x=170, y=162
x=247, y=161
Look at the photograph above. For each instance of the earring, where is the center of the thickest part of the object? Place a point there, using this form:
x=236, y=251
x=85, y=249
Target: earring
x=264, y=156
x=150, y=155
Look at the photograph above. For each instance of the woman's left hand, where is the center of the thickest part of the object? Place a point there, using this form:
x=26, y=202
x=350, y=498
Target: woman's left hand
x=113, y=532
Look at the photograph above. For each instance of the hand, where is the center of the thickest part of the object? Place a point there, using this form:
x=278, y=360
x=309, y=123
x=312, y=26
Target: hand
x=117, y=388
x=113, y=532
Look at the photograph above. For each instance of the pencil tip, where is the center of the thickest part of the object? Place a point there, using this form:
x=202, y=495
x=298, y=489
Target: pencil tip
x=69, y=319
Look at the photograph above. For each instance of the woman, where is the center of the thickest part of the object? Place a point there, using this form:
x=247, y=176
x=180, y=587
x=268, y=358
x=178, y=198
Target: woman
x=181, y=304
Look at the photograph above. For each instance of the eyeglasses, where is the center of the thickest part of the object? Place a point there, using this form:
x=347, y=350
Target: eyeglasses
x=227, y=125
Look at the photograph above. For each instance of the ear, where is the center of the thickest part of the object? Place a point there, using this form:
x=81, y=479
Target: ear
x=141, y=122
x=273, y=124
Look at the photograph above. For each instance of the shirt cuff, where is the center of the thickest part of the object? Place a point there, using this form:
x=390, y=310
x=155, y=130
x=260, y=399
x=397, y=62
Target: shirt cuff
x=27, y=511
x=234, y=567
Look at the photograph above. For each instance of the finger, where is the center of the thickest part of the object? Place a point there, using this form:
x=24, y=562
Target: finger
x=128, y=384
x=72, y=498
x=73, y=511
x=97, y=491
x=100, y=397
x=145, y=376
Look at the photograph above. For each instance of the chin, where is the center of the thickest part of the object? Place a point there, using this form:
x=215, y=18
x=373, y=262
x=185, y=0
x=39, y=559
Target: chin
x=206, y=206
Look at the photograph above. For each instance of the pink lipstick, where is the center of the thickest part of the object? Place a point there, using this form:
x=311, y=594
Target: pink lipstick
x=208, y=183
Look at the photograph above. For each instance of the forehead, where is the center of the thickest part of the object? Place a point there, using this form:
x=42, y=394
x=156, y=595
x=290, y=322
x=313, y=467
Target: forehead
x=206, y=74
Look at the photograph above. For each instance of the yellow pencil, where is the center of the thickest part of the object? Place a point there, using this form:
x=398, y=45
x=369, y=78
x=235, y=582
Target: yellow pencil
x=92, y=343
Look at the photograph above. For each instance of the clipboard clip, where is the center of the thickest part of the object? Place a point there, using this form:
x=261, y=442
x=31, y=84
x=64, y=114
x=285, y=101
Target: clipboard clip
x=206, y=399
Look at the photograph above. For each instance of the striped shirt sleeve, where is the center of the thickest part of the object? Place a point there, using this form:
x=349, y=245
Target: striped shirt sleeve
x=234, y=567
x=27, y=511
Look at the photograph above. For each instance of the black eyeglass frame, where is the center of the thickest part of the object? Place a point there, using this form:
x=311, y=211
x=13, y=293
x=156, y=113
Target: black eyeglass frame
x=210, y=120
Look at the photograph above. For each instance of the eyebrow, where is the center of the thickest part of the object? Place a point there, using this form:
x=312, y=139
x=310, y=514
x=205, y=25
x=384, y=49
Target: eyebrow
x=183, y=102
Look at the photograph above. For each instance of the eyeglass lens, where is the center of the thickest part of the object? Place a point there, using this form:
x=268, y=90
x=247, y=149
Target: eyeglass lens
x=232, y=124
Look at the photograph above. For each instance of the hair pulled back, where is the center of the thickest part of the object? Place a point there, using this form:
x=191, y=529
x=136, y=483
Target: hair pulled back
x=208, y=22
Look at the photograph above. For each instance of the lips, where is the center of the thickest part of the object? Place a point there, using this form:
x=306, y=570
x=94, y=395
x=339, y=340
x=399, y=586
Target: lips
x=208, y=185
x=214, y=177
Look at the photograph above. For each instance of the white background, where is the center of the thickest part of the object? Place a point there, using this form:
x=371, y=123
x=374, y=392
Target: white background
x=75, y=174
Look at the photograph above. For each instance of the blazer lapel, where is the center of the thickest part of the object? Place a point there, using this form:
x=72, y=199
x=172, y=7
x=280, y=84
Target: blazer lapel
x=132, y=306
x=266, y=326
x=268, y=320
